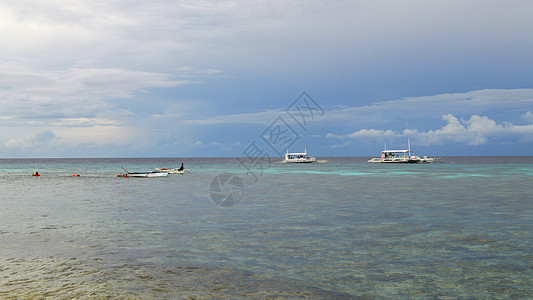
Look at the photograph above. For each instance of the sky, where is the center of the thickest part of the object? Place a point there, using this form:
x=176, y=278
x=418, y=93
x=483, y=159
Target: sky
x=162, y=78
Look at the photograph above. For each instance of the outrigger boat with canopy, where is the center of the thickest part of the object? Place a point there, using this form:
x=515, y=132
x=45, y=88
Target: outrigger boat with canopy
x=301, y=157
x=396, y=156
x=401, y=156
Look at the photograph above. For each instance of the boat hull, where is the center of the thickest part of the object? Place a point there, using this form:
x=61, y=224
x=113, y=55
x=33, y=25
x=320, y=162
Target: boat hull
x=176, y=172
x=147, y=174
x=173, y=171
x=299, y=158
x=302, y=161
x=396, y=160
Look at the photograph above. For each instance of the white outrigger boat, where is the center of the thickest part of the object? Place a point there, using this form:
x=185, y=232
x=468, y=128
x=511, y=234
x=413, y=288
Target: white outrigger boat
x=301, y=157
x=401, y=156
x=143, y=174
x=396, y=156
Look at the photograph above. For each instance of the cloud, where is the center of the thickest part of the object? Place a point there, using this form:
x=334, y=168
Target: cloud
x=191, y=72
x=528, y=116
x=101, y=134
x=334, y=146
x=334, y=136
x=366, y=133
x=145, y=33
x=434, y=106
x=134, y=68
x=34, y=140
x=475, y=131
x=220, y=148
x=82, y=122
x=75, y=92
x=394, y=111
x=257, y=118
x=77, y=103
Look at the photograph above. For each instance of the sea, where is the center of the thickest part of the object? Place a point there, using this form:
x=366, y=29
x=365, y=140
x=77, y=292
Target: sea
x=461, y=228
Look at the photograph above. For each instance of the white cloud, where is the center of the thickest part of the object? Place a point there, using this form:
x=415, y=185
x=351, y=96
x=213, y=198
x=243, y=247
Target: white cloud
x=334, y=136
x=34, y=140
x=387, y=112
x=528, y=116
x=100, y=134
x=334, y=146
x=75, y=103
x=82, y=122
x=148, y=33
x=433, y=107
x=75, y=92
x=477, y=130
x=256, y=118
x=366, y=133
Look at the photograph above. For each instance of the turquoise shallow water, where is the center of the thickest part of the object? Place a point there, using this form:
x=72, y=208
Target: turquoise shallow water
x=461, y=228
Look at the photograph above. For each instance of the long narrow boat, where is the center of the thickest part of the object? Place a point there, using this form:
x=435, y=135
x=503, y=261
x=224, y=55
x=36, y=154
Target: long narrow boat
x=147, y=174
x=143, y=174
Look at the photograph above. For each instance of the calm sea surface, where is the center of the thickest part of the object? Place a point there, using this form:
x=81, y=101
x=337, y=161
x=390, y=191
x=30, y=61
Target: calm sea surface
x=347, y=229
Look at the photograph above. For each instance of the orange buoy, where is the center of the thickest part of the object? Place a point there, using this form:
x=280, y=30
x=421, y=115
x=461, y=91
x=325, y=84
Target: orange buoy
x=76, y=175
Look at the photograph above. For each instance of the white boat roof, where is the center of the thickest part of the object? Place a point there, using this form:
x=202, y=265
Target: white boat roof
x=296, y=153
x=395, y=151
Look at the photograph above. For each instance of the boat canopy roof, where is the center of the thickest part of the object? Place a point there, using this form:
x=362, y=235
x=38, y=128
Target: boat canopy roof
x=296, y=153
x=396, y=151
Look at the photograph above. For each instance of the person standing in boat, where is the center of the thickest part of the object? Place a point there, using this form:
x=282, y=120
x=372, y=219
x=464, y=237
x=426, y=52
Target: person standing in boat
x=181, y=168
